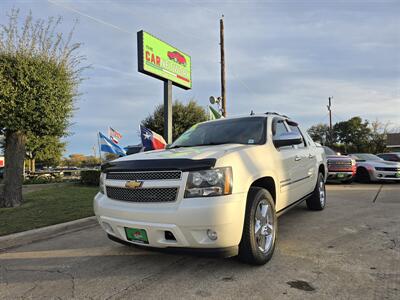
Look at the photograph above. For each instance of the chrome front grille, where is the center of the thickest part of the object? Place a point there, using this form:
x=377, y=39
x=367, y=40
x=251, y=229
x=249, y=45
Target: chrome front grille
x=143, y=194
x=158, y=175
x=339, y=164
x=387, y=169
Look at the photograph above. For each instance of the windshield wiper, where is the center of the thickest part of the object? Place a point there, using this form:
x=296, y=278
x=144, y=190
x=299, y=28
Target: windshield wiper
x=205, y=144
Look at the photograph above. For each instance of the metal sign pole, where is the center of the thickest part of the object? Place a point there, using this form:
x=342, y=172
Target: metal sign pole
x=168, y=111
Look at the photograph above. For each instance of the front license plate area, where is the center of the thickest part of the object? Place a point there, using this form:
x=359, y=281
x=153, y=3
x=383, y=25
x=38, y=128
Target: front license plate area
x=136, y=235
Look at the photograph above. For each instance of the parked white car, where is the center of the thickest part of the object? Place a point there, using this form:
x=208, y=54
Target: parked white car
x=373, y=168
x=218, y=189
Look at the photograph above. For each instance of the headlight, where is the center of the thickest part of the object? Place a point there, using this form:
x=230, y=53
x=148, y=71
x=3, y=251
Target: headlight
x=207, y=183
x=102, y=183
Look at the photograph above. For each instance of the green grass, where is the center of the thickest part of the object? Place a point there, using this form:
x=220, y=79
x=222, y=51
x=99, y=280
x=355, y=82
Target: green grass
x=48, y=207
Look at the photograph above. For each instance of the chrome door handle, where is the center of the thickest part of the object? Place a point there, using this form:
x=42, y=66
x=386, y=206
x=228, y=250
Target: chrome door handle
x=297, y=158
x=311, y=156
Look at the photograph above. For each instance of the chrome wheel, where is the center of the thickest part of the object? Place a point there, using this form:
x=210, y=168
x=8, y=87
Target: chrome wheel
x=264, y=226
x=322, y=192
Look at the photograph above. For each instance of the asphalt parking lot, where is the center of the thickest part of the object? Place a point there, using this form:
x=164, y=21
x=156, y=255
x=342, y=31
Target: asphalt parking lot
x=351, y=250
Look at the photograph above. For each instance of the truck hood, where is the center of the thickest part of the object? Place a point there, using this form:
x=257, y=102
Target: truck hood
x=198, y=152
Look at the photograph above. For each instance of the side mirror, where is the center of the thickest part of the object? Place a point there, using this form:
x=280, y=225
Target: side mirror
x=288, y=139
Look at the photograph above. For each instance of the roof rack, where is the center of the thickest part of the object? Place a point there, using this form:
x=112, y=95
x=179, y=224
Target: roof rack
x=275, y=113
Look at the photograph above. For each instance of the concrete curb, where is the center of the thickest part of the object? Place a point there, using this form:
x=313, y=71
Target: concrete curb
x=40, y=234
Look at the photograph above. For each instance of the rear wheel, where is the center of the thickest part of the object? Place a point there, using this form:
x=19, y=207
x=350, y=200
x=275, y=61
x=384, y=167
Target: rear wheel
x=362, y=175
x=317, y=200
x=260, y=228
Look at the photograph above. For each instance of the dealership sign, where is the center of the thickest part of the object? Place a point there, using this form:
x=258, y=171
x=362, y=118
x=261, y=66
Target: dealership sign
x=163, y=61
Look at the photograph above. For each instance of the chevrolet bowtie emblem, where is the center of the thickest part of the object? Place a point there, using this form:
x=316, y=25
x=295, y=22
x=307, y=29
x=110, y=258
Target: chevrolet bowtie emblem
x=133, y=184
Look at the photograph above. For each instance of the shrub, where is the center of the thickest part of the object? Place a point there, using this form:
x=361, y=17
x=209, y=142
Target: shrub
x=43, y=180
x=90, y=177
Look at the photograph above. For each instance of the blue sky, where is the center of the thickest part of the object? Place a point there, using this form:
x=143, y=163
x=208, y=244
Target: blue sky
x=285, y=56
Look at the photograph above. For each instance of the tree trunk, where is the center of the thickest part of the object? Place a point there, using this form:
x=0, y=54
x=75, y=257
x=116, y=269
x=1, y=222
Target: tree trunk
x=14, y=169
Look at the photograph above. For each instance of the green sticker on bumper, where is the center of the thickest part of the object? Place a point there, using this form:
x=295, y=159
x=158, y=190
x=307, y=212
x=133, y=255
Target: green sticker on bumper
x=136, y=235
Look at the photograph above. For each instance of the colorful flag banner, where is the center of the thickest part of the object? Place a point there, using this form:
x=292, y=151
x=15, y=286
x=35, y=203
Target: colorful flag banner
x=115, y=136
x=107, y=145
x=151, y=140
x=213, y=113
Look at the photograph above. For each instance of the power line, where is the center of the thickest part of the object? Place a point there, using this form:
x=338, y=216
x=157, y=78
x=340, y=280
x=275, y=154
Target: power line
x=91, y=17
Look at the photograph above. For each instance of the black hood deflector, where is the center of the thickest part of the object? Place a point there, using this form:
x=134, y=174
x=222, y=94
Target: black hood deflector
x=182, y=164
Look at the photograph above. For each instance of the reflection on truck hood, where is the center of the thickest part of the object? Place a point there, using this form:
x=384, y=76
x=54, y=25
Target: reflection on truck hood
x=198, y=152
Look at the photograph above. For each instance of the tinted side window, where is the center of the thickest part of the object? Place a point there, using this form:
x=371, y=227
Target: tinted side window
x=393, y=157
x=296, y=129
x=278, y=127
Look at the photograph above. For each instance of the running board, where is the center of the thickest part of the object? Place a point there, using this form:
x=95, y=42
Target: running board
x=289, y=207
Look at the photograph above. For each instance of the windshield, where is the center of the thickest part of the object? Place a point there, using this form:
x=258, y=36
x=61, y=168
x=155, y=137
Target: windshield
x=365, y=156
x=249, y=130
x=329, y=151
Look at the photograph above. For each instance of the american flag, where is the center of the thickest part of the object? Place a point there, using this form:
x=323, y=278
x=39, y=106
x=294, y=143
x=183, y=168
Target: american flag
x=115, y=136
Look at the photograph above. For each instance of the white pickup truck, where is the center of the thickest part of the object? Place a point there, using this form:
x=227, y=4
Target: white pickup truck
x=218, y=189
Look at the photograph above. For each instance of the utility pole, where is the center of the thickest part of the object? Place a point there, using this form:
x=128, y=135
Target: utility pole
x=222, y=46
x=330, y=119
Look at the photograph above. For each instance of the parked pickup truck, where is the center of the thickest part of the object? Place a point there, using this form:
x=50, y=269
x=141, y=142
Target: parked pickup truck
x=340, y=167
x=218, y=189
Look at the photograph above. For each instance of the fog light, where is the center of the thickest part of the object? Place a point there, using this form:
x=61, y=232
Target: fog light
x=107, y=227
x=212, y=235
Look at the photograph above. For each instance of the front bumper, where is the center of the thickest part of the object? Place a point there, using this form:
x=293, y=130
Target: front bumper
x=339, y=175
x=384, y=175
x=188, y=220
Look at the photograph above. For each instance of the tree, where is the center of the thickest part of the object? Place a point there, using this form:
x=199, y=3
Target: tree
x=111, y=156
x=354, y=134
x=319, y=133
x=46, y=150
x=39, y=74
x=378, y=136
x=81, y=161
x=183, y=117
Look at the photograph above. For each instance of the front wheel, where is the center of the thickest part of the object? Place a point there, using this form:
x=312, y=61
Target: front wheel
x=363, y=176
x=260, y=228
x=318, y=198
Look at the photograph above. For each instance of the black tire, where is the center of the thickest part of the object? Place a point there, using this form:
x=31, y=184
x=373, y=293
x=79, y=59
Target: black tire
x=362, y=175
x=249, y=249
x=317, y=200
